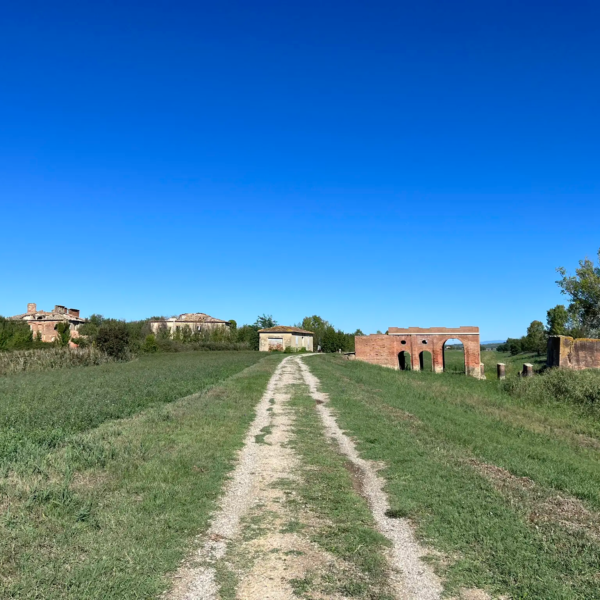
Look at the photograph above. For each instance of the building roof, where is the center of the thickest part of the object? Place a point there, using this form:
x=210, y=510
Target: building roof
x=192, y=318
x=42, y=315
x=285, y=329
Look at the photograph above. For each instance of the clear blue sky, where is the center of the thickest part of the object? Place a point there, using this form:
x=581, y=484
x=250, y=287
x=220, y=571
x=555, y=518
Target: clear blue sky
x=376, y=163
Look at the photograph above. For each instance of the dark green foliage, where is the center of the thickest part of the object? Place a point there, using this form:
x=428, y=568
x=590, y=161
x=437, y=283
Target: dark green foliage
x=265, y=321
x=64, y=334
x=150, y=344
x=559, y=385
x=557, y=320
x=113, y=339
x=248, y=334
x=584, y=291
x=535, y=340
x=327, y=337
x=15, y=335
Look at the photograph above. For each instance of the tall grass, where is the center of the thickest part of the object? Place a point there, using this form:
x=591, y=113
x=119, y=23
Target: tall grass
x=52, y=358
x=559, y=385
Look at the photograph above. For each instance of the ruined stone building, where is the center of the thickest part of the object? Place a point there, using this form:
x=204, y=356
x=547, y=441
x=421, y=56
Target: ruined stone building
x=197, y=322
x=45, y=323
x=281, y=337
x=406, y=348
x=576, y=354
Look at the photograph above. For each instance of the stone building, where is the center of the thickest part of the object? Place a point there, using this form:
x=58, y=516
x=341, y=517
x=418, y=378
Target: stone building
x=576, y=354
x=45, y=323
x=405, y=348
x=281, y=337
x=197, y=322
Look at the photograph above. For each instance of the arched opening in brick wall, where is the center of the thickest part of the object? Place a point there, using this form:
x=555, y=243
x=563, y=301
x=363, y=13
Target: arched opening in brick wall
x=404, y=361
x=454, y=356
x=426, y=361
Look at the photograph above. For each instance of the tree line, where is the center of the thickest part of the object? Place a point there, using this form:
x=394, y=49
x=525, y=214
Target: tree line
x=122, y=339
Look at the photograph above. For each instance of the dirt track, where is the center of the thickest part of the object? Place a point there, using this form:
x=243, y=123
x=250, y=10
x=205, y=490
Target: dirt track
x=269, y=558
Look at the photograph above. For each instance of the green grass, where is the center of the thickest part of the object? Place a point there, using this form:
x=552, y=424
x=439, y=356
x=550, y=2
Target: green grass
x=347, y=530
x=442, y=436
x=39, y=411
x=112, y=505
x=514, y=364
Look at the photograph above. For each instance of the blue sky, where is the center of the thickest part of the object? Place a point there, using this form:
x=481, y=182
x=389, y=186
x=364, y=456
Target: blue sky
x=378, y=164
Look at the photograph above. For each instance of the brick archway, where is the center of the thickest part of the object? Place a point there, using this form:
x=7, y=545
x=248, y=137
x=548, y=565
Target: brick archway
x=380, y=349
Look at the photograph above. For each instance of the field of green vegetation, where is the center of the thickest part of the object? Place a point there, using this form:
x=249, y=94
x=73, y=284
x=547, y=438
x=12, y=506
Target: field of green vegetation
x=505, y=487
x=109, y=472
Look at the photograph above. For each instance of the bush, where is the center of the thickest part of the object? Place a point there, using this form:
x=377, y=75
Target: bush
x=113, y=339
x=15, y=335
x=150, y=344
x=558, y=385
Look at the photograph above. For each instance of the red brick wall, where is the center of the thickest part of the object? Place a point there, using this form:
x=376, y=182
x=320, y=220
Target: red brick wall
x=383, y=350
x=48, y=331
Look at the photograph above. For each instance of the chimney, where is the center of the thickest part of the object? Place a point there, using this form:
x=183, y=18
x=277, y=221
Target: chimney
x=74, y=312
x=61, y=310
x=31, y=308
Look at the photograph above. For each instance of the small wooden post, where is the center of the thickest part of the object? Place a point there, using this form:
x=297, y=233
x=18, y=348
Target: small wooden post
x=527, y=370
x=501, y=368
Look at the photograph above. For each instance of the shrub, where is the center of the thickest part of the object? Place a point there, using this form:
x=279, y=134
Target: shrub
x=14, y=335
x=64, y=334
x=113, y=339
x=558, y=385
x=150, y=344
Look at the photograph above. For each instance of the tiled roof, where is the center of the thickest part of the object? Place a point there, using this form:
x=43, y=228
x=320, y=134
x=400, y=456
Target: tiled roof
x=194, y=318
x=285, y=329
x=42, y=315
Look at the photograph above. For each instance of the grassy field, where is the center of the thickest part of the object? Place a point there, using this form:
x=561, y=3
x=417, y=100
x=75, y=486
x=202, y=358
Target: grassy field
x=109, y=472
x=506, y=490
x=455, y=362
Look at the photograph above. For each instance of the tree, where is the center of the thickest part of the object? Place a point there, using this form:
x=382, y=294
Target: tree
x=113, y=338
x=330, y=340
x=535, y=340
x=150, y=344
x=248, y=334
x=64, y=333
x=584, y=291
x=265, y=321
x=557, y=320
x=14, y=335
x=515, y=346
x=358, y=332
x=318, y=326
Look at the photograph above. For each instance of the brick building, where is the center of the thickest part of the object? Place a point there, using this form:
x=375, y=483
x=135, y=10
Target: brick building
x=281, y=337
x=44, y=323
x=197, y=322
x=405, y=348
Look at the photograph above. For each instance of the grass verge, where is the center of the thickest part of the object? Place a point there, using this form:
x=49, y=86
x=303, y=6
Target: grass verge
x=111, y=511
x=479, y=484
x=346, y=528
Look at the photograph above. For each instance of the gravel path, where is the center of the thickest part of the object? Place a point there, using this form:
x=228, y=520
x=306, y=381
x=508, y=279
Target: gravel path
x=252, y=492
x=412, y=577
